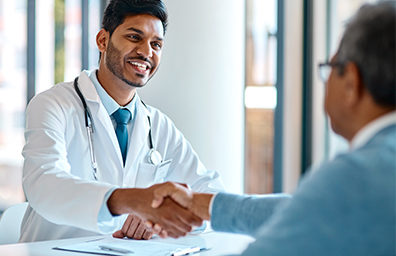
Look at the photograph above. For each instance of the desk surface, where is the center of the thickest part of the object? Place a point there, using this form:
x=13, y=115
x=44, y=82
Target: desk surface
x=220, y=244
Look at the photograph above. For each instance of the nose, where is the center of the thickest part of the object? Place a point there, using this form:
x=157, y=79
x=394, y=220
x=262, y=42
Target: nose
x=145, y=50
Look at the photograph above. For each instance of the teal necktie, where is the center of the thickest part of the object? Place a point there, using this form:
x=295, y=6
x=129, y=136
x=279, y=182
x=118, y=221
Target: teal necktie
x=122, y=117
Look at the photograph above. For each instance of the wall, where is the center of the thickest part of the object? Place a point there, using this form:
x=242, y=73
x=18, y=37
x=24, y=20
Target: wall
x=200, y=82
x=319, y=142
x=292, y=94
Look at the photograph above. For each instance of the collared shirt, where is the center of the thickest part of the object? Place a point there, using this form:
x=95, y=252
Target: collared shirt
x=111, y=106
x=372, y=128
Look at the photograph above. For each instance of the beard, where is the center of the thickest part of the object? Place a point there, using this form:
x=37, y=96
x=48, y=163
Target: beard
x=113, y=57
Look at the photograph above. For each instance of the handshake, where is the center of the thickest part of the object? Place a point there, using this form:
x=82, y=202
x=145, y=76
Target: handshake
x=166, y=209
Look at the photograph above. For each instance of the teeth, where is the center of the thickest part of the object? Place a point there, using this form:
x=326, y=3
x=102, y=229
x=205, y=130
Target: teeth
x=139, y=65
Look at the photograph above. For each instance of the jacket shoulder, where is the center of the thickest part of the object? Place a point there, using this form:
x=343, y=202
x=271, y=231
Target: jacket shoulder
x=57, y=94
x=158, y=117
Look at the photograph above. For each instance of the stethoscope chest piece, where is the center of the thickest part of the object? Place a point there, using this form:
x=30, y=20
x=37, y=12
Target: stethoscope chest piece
x=154, y=157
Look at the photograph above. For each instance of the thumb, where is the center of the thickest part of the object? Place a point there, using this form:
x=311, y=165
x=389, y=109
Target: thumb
x=183, y=197
x=118, y=234
x=159, y=196
x=178, y=193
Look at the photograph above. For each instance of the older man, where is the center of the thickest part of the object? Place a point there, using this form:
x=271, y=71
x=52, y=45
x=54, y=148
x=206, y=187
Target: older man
x=347, y=206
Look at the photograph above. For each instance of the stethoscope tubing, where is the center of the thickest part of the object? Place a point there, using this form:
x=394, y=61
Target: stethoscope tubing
x=88, y=125
x=90, y=131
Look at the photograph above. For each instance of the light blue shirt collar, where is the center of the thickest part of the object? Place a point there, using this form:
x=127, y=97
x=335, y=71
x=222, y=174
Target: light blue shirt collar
x=108, y=102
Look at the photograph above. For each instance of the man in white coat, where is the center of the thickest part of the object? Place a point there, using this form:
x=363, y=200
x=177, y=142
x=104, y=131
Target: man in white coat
x=93, y=148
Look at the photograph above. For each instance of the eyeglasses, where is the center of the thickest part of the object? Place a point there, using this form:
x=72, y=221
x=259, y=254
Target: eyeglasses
x=325, y=69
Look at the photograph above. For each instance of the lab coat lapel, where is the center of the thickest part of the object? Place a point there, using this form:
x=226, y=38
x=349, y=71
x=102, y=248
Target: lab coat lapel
x=139, y=136
x=99, y=113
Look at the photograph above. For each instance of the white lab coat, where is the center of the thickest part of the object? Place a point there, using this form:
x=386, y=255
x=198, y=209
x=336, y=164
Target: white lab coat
x=64, y=199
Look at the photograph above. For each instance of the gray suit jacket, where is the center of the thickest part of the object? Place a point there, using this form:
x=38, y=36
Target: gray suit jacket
x=347, y=207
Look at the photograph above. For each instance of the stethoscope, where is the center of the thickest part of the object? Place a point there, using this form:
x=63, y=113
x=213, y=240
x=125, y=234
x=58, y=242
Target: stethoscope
x=154, y=157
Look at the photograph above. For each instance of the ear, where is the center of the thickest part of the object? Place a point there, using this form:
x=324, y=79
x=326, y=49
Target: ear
x=102, y=40
x=353, y=86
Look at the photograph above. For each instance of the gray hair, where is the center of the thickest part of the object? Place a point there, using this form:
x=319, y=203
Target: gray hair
x=369, y=42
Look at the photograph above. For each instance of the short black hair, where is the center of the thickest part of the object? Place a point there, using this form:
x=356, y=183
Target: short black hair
x=117, y=10
x=369, y=41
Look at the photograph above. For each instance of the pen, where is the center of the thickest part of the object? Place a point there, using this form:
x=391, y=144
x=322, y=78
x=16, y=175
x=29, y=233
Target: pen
x=186, y=251
x=114, y=249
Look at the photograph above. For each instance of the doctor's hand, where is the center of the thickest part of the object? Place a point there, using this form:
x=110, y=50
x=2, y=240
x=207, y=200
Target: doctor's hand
x=134, y=227
x=174, y=219
x=197, y=203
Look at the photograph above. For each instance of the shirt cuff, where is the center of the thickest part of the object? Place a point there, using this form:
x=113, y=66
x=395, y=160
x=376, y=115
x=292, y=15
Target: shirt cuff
x=104, y=212
x=211, y=204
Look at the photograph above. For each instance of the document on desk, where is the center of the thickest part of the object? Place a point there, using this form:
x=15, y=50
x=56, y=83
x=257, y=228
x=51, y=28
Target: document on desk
x=123, y=247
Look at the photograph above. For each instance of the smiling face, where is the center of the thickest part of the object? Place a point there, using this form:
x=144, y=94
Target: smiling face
x=133, y=52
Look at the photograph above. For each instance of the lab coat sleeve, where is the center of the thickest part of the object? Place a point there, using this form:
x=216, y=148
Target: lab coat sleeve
x=51, y=189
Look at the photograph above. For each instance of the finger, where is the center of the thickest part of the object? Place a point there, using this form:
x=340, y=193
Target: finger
x=139, y=231
x=173, y=226
x=182, y=196
x=169, y=233
x=176, y=234
x=176, y=226
x=170, y=220
x=163, y=234
x=160, y=193
x=184, y=185
x=127, y=223
x=132, y=227
x=118, y=234
x=157, y=228
x=147, y=234
x=177, y=192
x=149, y=224
x=166, y=189
x=191, y=219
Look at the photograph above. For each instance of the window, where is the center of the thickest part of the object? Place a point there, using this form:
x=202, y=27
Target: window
x=12, y=98
x=59, y=53
x=260, y=94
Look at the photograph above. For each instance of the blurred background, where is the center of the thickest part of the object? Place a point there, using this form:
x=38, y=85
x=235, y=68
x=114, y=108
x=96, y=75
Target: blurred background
x=238, y=78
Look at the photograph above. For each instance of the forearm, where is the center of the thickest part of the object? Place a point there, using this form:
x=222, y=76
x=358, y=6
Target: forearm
x=200, y=205
x=124, y=201
x=243, y=214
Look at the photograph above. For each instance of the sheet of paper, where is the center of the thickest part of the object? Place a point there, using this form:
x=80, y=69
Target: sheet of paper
x=119, y=247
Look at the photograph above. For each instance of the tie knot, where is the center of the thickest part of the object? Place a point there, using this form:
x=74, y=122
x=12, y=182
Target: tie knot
x=122, y=116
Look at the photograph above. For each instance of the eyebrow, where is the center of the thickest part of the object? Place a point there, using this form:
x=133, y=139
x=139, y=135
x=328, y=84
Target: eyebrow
x=142, y=33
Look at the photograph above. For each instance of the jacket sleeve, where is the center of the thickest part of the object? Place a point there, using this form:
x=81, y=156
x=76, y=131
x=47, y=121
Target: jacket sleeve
x=344, y=208
x=244, y=214
x=50, y=187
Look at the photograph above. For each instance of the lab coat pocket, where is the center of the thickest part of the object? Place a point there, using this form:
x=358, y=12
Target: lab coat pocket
x=162, y=171
x=150, y=174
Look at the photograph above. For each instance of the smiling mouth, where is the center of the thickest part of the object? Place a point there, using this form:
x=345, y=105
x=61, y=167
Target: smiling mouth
x=140, y=67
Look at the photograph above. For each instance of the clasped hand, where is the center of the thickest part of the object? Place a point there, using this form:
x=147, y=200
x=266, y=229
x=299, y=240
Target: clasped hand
x=167, y=209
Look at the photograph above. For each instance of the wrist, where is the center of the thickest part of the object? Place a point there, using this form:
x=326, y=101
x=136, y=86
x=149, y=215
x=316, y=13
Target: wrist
x=123, y=201
x=200, y=205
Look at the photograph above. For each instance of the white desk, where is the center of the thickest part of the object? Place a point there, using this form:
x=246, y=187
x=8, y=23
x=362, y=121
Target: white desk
x=220, y=244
